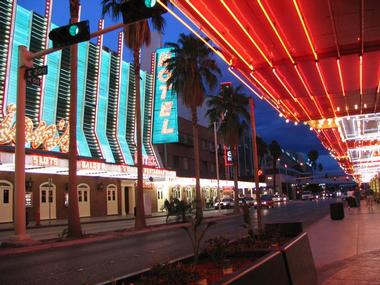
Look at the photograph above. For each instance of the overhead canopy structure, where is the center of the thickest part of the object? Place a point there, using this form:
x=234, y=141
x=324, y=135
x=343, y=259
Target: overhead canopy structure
x=313, y=61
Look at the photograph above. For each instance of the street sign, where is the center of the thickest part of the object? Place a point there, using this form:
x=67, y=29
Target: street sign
x=33, y=72
x=33, y=80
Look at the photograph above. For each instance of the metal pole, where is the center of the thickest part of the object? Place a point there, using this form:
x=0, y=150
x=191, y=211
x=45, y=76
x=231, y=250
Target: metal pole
x=255, y=165
x=19, y=213
x=217, y=164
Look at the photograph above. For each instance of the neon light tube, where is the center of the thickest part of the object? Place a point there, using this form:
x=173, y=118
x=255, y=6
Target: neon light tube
x=324, y=87
x=245, y=83
x=305, y=29
x=361, y=74
x=219, y=34
x=275, y=31
x=246, y=32
x=192, y=30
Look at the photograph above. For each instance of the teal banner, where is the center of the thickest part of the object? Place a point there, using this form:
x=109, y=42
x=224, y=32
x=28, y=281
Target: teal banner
x=165, y=114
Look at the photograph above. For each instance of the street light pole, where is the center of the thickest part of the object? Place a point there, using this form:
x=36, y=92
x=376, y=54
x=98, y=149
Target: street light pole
x=217, y=165
x=255, y=165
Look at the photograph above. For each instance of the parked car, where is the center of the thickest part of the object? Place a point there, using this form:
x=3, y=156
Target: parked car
x=226, y=203
x=249, y=200
x=266, y=201
x=280, y=198
x=307, y=195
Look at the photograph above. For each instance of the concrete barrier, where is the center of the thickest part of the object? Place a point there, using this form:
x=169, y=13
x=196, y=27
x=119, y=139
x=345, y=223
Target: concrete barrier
x=299, y=261
x=269, y=270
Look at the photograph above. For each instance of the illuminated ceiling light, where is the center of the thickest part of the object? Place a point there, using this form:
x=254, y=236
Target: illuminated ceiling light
x=287, y=120
x=310, y=128
x=305, y=123
x=295, y=123
x=338, y=109
x=275, y=31
x=192, y=30
x=219, y=34
x=246, y=32
x=280, y=115
x=356, y=106
x=305, y=29
x=365, y=105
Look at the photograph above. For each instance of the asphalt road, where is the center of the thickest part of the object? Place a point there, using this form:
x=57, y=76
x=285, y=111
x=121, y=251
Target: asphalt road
x=97, y=262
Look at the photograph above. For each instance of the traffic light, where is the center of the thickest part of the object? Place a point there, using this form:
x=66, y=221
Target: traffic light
x=70, y=34
x=136, y=10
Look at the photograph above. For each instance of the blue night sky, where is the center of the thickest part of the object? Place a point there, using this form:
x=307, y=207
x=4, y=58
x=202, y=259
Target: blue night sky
x=269, y=125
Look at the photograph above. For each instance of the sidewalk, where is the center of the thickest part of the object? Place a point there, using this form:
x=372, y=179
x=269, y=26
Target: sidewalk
x=348, y=251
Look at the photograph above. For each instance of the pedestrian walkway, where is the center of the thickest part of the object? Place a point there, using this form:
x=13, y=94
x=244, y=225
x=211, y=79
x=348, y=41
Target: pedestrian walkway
x=348, y=251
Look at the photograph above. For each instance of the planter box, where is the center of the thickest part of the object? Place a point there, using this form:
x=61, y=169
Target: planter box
x=290, y=264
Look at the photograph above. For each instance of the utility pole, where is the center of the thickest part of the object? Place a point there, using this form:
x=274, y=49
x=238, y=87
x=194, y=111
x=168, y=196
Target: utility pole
x=255, y=165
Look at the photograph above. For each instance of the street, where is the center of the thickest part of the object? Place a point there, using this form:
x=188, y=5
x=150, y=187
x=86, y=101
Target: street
x=96, y=262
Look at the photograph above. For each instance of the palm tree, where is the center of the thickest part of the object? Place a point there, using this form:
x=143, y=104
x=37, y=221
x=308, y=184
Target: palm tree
x=136, y=35
x=320, y=167
x=275, y=152
x=313, y=156
x=74, y=226
x=192, y=69
x=229, y=109
x=262, y=149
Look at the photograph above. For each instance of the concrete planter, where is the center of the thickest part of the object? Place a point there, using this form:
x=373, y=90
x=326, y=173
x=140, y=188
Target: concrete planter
x=291, y=264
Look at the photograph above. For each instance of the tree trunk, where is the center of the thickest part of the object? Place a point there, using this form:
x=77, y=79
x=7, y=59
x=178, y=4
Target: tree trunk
x=140, y=222
x=74, y=226
x=198, y=197
x=236, y=175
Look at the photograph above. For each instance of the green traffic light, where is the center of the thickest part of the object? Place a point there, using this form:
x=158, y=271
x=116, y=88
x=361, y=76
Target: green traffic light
x=73, y=30
x=150, y=3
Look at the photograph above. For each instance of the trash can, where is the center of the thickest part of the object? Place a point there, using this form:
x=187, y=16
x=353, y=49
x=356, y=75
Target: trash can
x=336, y=211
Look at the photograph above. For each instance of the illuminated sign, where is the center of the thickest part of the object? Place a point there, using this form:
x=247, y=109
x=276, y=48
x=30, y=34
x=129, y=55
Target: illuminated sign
x=165, y=117
x=228, y=159
x=44, y=136
x=44, y=160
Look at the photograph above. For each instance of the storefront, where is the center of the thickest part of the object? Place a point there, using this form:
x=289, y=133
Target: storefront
x=103, y=189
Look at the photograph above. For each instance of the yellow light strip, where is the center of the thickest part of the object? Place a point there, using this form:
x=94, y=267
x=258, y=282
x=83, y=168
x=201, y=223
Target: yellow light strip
x=305, y=29
x=264, y=88
x=308, y=91
x=245, y=83
x=361, y=74
x=274, y=99
x=341, y=77
x=290, y=93
x=220, y=35
x=192, y=30
x=275, y=30
x=245, y=31
x=324, y=87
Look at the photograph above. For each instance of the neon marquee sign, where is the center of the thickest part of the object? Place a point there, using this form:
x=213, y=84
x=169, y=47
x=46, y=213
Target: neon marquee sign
x=165, y=117
x=44, y=136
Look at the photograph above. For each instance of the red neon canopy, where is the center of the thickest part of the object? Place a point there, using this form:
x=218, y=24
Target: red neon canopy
x=311, y=60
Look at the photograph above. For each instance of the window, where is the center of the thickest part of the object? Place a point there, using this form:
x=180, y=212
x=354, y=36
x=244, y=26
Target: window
x=176, y=161
x=80, y=196
x=5, y=196
x=160, y=195
x=43, y=196
x=50, y=196
x=185, y=163
x=109, y=195
x=212, y=168
x=85, y=196
x=113, y=195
